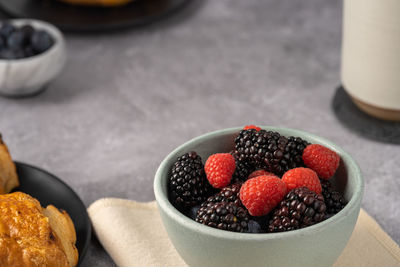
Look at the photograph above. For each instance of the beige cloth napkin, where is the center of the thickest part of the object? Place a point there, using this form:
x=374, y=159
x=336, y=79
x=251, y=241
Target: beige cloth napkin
x=132, y=233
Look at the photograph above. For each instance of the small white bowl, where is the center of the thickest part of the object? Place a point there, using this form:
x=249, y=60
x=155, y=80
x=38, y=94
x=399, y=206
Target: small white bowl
x=29, y=76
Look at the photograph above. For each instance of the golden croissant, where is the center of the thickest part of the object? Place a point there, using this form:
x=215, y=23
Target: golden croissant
x=34, y=236
x=8, y=173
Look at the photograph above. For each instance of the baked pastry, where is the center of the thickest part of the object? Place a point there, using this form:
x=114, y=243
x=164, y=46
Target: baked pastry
x=106, y=3
x=8, y=172
x=33, y=236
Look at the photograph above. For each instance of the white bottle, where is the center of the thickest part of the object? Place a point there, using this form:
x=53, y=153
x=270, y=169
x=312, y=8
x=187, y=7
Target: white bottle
x=371, y=56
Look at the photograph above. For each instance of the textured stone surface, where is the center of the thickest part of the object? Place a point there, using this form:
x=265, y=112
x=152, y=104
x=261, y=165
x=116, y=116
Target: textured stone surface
x=128, y=98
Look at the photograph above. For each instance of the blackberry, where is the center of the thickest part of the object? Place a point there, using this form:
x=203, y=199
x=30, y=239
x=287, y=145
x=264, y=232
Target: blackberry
x=295, y=148
x=229, y=193
x=242, y=171
x=300, y=208
x=334, y=200
x=269, y=150
x=188, y=185
x=223, y=215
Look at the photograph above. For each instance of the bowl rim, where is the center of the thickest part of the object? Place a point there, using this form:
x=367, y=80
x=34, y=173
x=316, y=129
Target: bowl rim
x=37, y=24
x=166, y=206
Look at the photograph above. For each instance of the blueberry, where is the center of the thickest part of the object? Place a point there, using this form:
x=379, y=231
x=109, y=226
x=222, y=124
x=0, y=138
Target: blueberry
x=254, y=227
x=12, y=54
x=193, y=212
x=6, y=29
x=7, y=54
x=16, y=40
x=3, y=43
x=262, y=220
x=19, y=53
x=41, y=41
x=27, y=30
x=28, y=50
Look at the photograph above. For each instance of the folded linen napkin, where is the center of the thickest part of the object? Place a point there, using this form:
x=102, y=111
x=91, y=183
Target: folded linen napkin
x=133, y=234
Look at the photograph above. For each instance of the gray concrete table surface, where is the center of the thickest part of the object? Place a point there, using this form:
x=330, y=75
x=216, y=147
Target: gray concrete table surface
x=126, y=99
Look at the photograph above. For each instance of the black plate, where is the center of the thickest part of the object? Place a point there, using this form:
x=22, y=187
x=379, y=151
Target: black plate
x=49, y=189
x=78, y=18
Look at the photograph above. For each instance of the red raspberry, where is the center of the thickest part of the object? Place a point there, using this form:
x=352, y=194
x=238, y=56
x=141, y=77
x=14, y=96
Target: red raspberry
x=299, y=177
x=322, y=160
x=260, y=173
x=248, y=127
x=262, y=194
x=219, y=169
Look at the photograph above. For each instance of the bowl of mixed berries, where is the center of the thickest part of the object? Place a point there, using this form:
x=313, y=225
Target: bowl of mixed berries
x=259, y=196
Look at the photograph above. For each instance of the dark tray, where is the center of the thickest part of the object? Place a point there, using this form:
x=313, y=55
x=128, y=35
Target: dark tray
x=79, y=18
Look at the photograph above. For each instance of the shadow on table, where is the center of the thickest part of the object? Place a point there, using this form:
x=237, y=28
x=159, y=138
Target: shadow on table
x=96, y=255
x=361, y=123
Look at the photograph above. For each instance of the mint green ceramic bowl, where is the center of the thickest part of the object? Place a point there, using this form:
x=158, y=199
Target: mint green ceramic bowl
x=317, y=245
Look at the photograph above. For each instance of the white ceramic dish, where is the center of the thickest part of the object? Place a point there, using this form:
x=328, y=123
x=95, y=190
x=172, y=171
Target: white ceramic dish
x=29, y=76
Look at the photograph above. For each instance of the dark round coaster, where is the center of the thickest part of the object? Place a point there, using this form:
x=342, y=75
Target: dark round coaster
x=361, y=123
x=80, y=18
